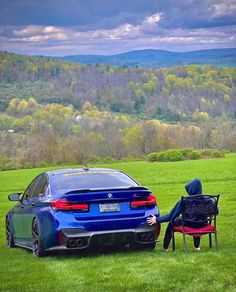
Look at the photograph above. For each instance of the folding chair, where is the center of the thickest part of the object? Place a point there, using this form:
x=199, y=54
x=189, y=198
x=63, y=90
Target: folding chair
x=199, y=212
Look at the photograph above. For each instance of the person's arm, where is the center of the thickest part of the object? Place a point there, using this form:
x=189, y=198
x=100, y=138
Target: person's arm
x=172, y=215
x=213, y=202
x=168, y=217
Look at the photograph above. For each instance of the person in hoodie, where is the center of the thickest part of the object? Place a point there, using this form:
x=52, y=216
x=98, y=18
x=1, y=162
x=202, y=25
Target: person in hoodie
x=194, y=187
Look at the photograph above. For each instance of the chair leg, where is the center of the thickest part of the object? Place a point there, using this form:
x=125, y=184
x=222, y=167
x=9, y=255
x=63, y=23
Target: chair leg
x=173, y=241
x=216, y=241
x=185, y=248
x=210, y=240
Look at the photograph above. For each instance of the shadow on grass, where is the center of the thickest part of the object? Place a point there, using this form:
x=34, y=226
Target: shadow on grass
x=92, y=252
x=99, y=251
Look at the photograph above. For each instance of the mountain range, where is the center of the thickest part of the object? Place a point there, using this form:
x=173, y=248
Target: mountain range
x=160, y=58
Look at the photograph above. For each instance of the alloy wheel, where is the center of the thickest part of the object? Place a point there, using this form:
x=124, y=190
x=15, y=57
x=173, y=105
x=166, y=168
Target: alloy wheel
x=37, y=246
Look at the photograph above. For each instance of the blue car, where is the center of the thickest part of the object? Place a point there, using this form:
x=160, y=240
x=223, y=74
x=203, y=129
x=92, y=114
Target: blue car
x=72, y=209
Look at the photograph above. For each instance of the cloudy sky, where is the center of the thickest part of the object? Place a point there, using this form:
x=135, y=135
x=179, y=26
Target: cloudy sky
x=68, y=27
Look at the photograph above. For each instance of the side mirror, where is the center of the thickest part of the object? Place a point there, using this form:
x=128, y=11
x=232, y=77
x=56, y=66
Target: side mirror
x=14, y=197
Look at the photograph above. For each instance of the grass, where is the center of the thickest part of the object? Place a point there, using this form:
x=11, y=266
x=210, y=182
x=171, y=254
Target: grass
x=123, y=270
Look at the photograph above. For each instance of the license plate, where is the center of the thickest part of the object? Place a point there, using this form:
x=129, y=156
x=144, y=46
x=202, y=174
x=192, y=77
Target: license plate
x=112, y=207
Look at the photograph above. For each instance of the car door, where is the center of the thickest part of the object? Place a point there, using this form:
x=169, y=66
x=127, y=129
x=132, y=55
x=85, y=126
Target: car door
x=31, y=203
x=17, y=220
x=26, y=205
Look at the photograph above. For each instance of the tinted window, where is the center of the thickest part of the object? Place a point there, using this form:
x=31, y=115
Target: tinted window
x=29, y=191
x=91, y=180
x=41, y=185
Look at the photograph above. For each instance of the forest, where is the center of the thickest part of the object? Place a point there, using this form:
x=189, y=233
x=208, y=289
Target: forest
x=185, y=93
x=33, y=135
x=54, y=112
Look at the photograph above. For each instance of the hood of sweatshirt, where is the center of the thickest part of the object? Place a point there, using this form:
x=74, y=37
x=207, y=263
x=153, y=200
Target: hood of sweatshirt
x=194, y=187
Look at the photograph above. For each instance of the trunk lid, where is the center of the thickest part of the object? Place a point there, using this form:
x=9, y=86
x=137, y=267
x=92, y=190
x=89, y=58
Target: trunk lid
x=108, y=204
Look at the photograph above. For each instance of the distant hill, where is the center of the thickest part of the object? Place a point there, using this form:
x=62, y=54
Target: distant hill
x=160, y=58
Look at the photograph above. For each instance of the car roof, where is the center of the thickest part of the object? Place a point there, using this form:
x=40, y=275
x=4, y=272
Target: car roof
x=81, y=170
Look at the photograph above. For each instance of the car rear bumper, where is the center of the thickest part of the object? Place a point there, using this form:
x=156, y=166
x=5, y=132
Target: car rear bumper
x=71, y=239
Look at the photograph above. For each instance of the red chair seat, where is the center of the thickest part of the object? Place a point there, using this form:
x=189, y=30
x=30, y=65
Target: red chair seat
x=195, y=231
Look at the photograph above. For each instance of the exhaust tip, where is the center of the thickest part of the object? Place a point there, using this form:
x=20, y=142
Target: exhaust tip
x=146, y=237
x=79, y=242
x=71, y=243
x=150, y=237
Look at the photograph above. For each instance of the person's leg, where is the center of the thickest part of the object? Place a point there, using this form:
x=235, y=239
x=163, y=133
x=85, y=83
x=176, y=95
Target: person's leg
x=197, y=241
x=167, y=237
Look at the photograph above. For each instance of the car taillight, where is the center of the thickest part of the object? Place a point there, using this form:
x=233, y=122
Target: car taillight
x=150, y=201
x=66, y=205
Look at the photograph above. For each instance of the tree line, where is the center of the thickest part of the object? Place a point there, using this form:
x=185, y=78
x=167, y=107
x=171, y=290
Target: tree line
x=185, y=93
x=34, y=134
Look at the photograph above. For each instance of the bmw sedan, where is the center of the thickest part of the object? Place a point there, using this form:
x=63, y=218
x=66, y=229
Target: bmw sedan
x=72, y=209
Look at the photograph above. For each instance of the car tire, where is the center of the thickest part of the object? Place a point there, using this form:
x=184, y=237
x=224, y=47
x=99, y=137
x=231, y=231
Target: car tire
x=139, y=246
x=9, y=235
x=37, y=245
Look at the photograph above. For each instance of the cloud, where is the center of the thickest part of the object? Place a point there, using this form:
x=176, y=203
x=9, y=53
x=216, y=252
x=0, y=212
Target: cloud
x=48, y=40
x=101, y=14
x=81, y=13
x=36, y=33
x=224, y=8
x=153, y=19
x=59, y=27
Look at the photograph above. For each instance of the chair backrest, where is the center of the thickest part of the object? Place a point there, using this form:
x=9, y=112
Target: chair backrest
x=199, y=210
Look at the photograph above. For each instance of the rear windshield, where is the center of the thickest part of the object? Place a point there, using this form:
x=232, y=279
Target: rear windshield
x=67, y=182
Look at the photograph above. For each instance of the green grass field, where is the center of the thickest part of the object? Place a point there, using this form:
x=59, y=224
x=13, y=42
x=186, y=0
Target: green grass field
x=125, y=270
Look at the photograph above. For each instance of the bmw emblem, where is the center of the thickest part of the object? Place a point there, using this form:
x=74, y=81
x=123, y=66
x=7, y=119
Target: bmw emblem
x=109, y=196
